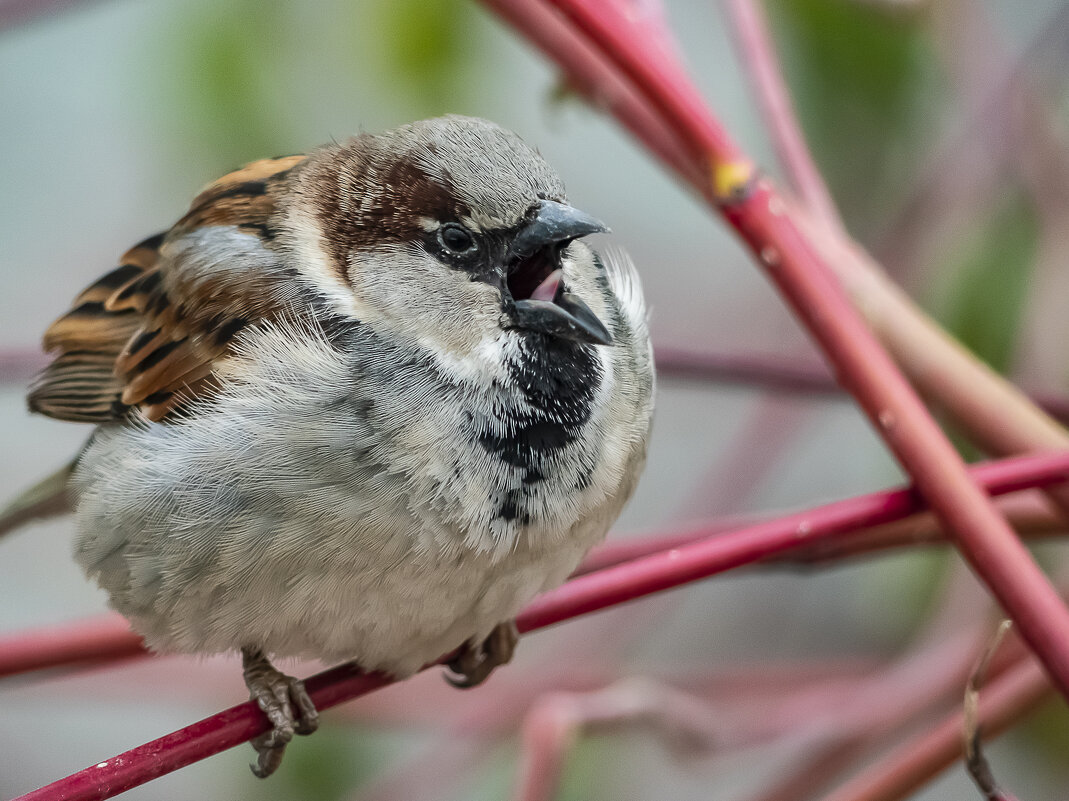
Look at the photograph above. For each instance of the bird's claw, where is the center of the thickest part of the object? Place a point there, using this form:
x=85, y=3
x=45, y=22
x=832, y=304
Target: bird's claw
x=276, y=694
x=475, y=661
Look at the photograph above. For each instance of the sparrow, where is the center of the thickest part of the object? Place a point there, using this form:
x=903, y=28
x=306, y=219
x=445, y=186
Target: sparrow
x=361, y=404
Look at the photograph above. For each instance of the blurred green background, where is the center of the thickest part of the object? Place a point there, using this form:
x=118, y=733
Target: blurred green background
x=937, y=126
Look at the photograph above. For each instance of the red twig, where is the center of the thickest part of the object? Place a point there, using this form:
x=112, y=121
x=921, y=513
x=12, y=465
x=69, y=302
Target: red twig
x=582, y=595
x=589, y=73
x=767, y=370
x=102, y=638
x=759, y=216
x=761, y=63
x=669, y=560
x=198, y=741
x=780, y=374
x=19, y=364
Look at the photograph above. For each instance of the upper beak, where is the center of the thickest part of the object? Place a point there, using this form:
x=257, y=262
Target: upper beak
x=555, y=222
x=535, y=277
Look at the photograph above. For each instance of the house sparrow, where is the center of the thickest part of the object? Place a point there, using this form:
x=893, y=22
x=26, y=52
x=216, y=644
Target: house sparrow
x=361, y=404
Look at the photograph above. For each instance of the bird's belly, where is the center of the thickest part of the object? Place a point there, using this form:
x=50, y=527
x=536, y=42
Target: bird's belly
x=301, y=537
x=374, y=593
x=395, y=619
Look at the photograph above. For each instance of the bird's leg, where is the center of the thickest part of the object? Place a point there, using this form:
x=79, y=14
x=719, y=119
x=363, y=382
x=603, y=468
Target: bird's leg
x=475, y=661
x=276, y=694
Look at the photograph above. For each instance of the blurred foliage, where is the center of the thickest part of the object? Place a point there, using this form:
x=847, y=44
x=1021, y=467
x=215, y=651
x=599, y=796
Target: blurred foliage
x=910, y=582
x=590, y=768
x=226, y=76
x=428, y=49
x=986, y=279
x=243, y=69
x=1047, y=732
x=588, y=771
x=330, y=765
x=866, y=84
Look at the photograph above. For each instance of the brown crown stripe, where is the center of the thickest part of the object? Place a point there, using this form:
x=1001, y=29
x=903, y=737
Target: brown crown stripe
x=392, y=204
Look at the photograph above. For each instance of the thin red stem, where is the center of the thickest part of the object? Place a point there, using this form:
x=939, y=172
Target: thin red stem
x=780, y=374
x=110, y=637
x=758, y=56
x=759, y=217
x=582, y=595
x=590, y=74
x=98, y=639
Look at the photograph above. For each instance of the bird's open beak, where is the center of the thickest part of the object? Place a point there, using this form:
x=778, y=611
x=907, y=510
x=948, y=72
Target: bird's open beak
x=535, y=280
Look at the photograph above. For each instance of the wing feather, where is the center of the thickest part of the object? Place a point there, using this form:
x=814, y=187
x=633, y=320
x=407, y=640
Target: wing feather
x=150, y=333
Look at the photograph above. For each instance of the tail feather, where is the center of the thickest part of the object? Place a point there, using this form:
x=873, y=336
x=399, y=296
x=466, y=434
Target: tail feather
x=47, y=498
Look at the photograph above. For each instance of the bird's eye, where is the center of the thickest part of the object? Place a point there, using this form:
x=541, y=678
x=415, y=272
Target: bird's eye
x=456, y=238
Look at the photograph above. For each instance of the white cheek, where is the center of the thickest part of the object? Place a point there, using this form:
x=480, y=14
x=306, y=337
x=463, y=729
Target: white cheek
x=309, y=253
x=412, y=295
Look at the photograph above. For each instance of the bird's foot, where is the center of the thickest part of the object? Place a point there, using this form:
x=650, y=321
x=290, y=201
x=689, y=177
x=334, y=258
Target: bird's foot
x=276, y=694
x=475, y=661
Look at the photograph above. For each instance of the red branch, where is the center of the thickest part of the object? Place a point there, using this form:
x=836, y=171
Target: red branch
x=614, y=59
x=762, y=67
x=588, y=593
x=779, y=374
x=110, y=638
x=752, y=207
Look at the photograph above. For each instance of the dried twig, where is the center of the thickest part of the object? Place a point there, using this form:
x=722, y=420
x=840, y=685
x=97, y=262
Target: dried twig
x=1017, y=691
x=975, y=762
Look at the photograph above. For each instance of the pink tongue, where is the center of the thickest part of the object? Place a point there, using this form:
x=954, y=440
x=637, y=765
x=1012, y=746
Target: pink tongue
x=547, y=290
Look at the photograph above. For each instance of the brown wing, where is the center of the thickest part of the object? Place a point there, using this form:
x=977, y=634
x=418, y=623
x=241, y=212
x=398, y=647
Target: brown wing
x=147, y=335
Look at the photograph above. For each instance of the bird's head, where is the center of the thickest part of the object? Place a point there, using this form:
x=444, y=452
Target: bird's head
x=449, y=231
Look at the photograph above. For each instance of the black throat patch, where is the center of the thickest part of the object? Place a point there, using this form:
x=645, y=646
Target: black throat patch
x=559, y=380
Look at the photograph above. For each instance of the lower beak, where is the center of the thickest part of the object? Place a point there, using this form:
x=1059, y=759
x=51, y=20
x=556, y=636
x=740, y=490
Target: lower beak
x=562, y=314
x=535, y=255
